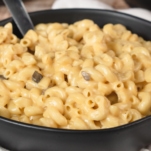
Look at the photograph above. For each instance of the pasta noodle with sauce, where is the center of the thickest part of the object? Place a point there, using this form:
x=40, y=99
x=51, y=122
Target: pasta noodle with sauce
x=75, y=76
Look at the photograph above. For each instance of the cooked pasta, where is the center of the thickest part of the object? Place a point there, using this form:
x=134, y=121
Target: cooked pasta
x=75, y=76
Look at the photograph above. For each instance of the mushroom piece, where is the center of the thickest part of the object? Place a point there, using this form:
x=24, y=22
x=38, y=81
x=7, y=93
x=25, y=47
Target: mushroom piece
x=36, y=77
x=85, y=75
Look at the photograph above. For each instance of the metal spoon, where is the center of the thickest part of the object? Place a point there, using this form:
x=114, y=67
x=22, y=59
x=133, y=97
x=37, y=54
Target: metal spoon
x=20, y=15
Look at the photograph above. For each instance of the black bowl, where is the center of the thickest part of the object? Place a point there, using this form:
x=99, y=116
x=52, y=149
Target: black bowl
x=131, y=137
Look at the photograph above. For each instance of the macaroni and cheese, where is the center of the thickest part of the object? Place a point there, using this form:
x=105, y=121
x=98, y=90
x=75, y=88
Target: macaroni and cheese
x=75, y=76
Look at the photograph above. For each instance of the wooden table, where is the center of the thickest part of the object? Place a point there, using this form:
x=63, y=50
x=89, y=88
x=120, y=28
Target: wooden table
x=31, y=5
x=34, y=5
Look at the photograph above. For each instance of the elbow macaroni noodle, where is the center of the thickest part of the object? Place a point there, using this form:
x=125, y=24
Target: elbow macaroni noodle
x=91, y=77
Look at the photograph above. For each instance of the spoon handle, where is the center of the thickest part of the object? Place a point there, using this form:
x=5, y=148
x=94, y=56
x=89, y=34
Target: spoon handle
x=20, y=15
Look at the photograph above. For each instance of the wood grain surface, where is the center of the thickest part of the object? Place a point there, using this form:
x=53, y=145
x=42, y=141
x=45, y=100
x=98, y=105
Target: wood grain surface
x=31, y=5
x=35, y=5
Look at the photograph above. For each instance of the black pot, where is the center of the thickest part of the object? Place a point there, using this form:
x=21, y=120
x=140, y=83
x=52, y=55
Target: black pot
x=131, y=137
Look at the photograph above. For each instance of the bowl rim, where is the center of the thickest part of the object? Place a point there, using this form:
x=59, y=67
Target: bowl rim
x=116, y=12
x=89, y=9
x=49, y=129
